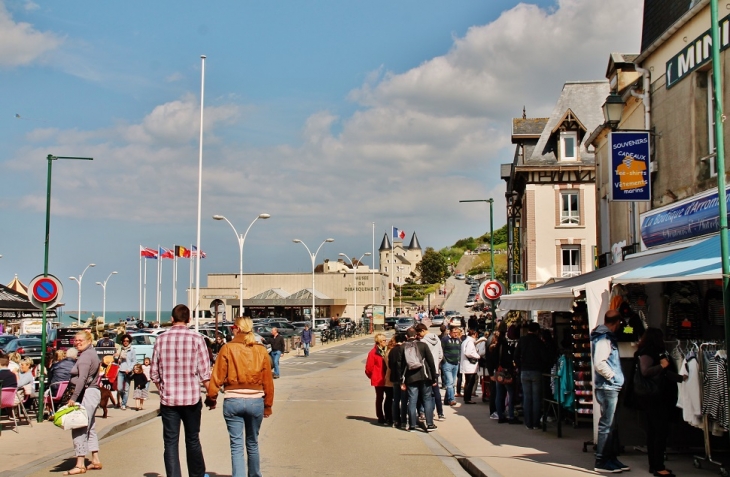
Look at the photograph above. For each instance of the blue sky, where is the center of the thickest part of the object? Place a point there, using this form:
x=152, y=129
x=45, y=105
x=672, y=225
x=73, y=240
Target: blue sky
x=328, y=115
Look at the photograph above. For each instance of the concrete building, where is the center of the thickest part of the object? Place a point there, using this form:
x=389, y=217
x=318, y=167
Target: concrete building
x=551, y=188
x=666, y=90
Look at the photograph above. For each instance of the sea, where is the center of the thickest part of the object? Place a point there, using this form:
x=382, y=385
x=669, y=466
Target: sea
x=70, y=317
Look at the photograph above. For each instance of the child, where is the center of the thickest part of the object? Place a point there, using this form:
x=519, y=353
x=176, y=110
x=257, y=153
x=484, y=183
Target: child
x=146, y=367
x=140, y=386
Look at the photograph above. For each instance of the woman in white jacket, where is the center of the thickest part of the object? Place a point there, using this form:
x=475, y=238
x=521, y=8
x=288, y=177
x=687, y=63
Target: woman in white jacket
x=469, y=359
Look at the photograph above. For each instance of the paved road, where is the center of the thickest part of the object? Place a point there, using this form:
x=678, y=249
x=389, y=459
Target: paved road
x=323, y=424
x=458, y=297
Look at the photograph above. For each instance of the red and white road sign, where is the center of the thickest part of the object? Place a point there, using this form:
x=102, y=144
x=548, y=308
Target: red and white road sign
x=46, y=290
x=492, y=289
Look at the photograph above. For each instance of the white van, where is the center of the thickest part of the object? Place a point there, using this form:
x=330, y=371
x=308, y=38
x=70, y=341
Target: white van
x=321, y=323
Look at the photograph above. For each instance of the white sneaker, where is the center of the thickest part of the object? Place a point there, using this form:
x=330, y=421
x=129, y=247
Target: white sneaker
x=494, y=415
x=124, y=408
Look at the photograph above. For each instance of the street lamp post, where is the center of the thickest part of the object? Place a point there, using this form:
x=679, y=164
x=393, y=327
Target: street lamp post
x=78, y=280
x=491, y=230
x=313, y=256
x=41, y=376
x=241, y=240
x=103, y=301
x=354, y=278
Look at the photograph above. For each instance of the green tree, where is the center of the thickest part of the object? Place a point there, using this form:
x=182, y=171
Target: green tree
x=432, y=268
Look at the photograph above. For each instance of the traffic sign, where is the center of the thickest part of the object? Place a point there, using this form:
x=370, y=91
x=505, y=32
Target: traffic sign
x=491, y=290
x=45, y=290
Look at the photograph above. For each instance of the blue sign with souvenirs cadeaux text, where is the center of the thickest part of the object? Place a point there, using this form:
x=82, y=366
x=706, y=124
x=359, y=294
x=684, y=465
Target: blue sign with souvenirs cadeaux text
x=687, y=219
x=630, y=155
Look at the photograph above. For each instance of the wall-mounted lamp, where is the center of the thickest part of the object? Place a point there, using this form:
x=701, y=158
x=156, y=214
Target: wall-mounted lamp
x=613, y=108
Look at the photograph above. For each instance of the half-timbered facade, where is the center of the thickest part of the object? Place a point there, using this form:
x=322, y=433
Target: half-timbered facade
x=551, y=188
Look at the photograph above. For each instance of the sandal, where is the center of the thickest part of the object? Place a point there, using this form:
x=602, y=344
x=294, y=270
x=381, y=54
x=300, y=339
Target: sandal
x=81, y=470
x=94, y=466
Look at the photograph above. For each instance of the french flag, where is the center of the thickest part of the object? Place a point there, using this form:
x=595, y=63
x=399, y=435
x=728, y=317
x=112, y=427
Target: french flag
x=398, y=233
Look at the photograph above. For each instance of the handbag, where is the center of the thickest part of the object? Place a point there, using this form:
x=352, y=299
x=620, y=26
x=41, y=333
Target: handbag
x=74, y=417
x=503, y=376
x=646, y=387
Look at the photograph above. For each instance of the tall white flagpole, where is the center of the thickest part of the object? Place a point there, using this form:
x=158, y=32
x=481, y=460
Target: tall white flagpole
x=140, y=283
x=392, y=269
x=174, y=281
x=200, y=194
x=144, y=292
x=158, y=308
x=372, y=281
x=190, y=286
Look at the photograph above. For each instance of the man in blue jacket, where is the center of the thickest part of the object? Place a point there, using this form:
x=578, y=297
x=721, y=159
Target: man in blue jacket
x=608, y=382
x=306, y=340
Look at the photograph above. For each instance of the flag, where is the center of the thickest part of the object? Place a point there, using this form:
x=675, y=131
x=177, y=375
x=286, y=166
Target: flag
x=166, y=253
x=398, y=233
x=147, y=252
x=195, y=252
x=181, y=251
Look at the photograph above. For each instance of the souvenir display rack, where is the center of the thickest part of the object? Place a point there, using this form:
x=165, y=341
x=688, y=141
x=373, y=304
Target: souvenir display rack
x=582, y=369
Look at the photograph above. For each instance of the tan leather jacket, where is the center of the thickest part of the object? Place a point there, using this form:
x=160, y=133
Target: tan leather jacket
x=240, y=366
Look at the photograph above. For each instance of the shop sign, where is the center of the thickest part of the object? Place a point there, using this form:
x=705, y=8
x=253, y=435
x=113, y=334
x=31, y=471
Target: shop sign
x=687, y=219
x=630, y=166
x=517, y=287
x=696, y=54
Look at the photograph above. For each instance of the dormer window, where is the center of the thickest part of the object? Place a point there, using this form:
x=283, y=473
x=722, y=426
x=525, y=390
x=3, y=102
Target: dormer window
x=568, y=146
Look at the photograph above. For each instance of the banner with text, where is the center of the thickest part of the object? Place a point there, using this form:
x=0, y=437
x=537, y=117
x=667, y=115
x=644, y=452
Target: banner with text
x=630, y=153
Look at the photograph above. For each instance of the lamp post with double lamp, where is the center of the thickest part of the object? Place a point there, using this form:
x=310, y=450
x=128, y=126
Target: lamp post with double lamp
x=354, y=278
x=78, y=280
x=41, y=376
x=313, y=256
x=103, y=301
x=241, y=241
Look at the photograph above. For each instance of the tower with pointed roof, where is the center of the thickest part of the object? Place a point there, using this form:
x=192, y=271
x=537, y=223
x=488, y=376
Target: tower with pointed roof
x=399, y=259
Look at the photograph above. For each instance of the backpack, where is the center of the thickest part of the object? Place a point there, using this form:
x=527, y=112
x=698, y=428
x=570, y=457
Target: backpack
x=414, y=360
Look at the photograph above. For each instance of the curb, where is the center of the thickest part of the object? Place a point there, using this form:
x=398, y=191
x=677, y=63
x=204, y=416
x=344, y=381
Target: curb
x=106, y=433
x=473, y=466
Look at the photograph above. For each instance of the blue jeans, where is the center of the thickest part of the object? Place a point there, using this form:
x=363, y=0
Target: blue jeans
x=276, y=355
x=306, y=348
x=607, y=399
x=400, y=405
x=502, y=390
x=123, y=387
x=422, y=389
x=449, y=376
x=171, y=417
x=240, y=414
x=531, y=397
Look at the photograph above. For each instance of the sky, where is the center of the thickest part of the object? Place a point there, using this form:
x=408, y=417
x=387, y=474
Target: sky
x=328, y=115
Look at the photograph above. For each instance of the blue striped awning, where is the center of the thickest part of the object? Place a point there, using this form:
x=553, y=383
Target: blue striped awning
x=698, y=262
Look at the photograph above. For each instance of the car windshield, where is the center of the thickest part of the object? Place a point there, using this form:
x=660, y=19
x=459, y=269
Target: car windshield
x=403, y=321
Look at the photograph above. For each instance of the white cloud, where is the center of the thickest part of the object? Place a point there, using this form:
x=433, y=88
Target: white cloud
x=420, y=141
x=31, y=6
x=176, y=76
x=20, y=43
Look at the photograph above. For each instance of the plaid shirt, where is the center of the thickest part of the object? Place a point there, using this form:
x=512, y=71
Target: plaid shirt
x=179, y=363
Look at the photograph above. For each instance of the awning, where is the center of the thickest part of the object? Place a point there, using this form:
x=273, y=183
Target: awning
x=561, y=295
x=699, y=262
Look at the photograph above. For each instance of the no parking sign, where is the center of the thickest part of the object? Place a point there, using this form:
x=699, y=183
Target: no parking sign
x=45, y=290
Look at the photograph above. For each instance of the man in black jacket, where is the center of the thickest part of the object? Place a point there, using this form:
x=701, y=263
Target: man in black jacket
x=400, y=398
x=530, y=358
x=418, y=381
x=277, y=348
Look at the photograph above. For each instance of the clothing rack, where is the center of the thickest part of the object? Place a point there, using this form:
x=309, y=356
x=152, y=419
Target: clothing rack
x=703, y=347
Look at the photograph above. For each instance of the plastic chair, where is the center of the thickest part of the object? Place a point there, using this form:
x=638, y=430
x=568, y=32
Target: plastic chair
x=21, y=399
x=9, y=400
x=50, y=400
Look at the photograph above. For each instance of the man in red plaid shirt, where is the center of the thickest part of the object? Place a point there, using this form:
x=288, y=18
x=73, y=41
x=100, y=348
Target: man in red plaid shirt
x=180, y=363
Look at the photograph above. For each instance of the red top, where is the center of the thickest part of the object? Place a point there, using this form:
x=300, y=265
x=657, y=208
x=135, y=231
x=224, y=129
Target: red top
x=375, y=367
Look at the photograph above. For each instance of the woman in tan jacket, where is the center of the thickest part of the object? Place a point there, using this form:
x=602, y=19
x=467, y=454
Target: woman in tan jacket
x=243, y=369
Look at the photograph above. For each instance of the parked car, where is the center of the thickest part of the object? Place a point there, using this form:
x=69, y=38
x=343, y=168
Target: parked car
x=299, y=325
x=459, y=276
x=26, y=347
x=5, y=339
x=404, y=323
x=471, y=301
x=265, y=331
x=390, y=322
x=286, y=329
x=143, y=344
x=321, y=324
x=437, y=320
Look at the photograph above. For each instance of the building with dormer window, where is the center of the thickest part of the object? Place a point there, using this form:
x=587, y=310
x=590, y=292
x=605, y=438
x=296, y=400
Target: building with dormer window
x=551, y=188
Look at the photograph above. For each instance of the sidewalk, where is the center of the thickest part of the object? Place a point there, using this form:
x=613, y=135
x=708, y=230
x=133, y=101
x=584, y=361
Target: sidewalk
x=44, y=443
x=486, y=448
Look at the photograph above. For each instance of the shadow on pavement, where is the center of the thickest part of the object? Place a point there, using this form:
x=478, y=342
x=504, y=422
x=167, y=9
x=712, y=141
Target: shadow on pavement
x=210, y=474
x=65, y=465
x=369, y=420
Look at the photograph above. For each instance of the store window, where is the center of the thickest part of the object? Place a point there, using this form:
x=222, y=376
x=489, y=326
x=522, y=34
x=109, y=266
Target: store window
x=571, y=261
x=569, y=208
x=568, y=146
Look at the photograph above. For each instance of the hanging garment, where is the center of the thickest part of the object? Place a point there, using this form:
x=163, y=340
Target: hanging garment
x=689, y=392
x=715, y=391
x=565, y=394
